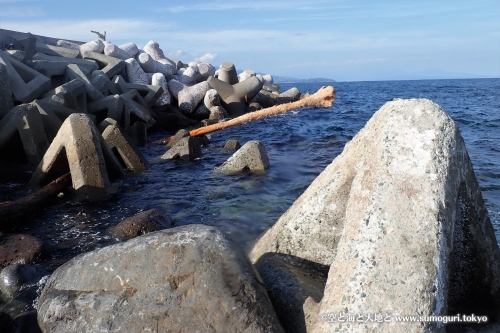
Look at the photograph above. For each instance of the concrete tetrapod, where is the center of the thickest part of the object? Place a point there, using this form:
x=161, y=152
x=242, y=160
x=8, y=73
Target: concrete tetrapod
x=26, y=83
x=113, y=107
x=252, y=156
x=188, y=97
x=150, y=93
x=80, y=149
x=72, y=94
x=6, y=102
x=130, y=157
x=235, y=97
x=22, y=136
x=430, y=251
x=227, y=73
x=73, y=72
x=109, y=65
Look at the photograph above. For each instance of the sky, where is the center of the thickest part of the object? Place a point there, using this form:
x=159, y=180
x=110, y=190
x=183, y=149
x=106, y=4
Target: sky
x=342, y=40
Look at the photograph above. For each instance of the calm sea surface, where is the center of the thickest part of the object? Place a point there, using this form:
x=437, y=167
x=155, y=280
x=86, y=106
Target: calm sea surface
x=300, y=145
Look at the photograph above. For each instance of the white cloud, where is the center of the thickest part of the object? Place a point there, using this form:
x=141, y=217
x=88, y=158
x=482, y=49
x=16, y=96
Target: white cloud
x=207, y=58
x=18, y=12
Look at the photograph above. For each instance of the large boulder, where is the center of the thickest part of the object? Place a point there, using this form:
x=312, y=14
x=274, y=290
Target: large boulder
x=400, y=220
x=186, y=279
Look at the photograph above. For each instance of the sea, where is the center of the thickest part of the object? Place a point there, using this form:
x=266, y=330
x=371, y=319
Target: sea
x=299, y=144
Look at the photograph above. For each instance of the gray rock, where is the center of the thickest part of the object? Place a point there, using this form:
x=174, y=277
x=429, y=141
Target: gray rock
x=13, y=277
x=141, y=224
x=20, y=249
x=251, y=156
x=186, y=279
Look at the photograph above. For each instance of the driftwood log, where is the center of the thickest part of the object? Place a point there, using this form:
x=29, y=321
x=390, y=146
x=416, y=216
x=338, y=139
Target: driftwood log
x=11, y=211
x=323, y=98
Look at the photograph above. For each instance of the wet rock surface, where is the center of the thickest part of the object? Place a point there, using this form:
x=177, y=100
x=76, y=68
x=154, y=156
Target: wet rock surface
x=159, y=282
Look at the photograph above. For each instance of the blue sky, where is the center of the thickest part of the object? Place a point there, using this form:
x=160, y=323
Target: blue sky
x=338, y=39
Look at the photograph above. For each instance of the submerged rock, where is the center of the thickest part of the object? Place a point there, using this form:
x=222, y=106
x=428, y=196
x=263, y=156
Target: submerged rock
x=186, y=279
x=400, y=220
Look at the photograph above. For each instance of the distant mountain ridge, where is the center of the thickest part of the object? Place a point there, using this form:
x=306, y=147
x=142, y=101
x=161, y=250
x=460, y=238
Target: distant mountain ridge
x=285, y=79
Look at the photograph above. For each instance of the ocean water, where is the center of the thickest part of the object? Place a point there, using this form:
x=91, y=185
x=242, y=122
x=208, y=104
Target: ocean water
x=300, y=144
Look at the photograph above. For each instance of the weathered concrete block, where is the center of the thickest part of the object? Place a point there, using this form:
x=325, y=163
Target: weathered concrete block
x=268, y=82
x=72, y=95
x=150, y=93
x=130, y=49
x=153, y=49
x=410, y=255
x=130, y=157
x=188, y=97
x=109, y=65
x=252, y=156
x=235, y=97
x=113, y=107
x=246, y=74
x=100, y=82
x=187, y=148
x=50, y=120
x=205, y=70
x=159, y=282
x=141, y=224
x=159, y=80
x=95, y=45
x=210, y=108
x=190, y=76
x=23, y=123
x=135, y=73
x=291, y=95
x=6, y=101
x=182, y=133
x=136, y=105
x=227, y=73
x=57, y=51
x=18, y=55
x=89, y=64
x=73, y=72
x=138, y=133
x=80, y=149
x=115, y=51
x=232, y=144
x=48, y=68
x=146, y=62
x=68, y=44
x=26, y=83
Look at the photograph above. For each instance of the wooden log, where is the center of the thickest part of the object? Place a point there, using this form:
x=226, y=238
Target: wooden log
x=14, y=210
x=323, y=98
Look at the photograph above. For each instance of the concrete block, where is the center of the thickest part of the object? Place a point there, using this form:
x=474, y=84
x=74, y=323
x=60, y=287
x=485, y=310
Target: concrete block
x=73, y=72
x=28, y=46
x=153, y=49
x=18, y=55
x=159, y=80
x=206, y=70
x=129, y=157
x=26, y=83
x=190, y=76
x=113, y=107
x=146, y=62
x=252, y=156
x=89, y=64
x=80, y=149
x=68, y=44
x=137, y=107
x=276, y=89
x=49, y=106
x=135, y=73
x=138, y=133
x=232, y=144
x=246, y=74
x=6, y=101
x=210, y=108
x=51, y=122
x=48, y=68
x=182, y=133
x=58, y=51
x=234, y=98
x=188, y=97
x=22, y=136
x=105, y=123
x=95, y=45
x=268, y=81
x=291, y=95
x=109, y=65
x=100, y=82
x=72, y=95
x=187, y=148
x=227, y=73
x=130, y=49
x=150, y=93
x=114, y=51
